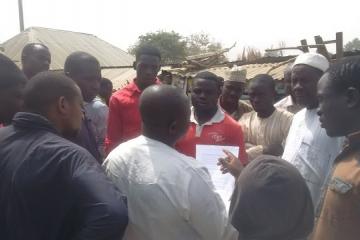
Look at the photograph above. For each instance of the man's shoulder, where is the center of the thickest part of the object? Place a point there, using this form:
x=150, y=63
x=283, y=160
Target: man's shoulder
x=126, y=149
x=246, y=106
x=99, y=104
x=52, y=147
x=64, y=147
x=126, y=92
x=247, y=116
x=5, y=131
x=284, y=102
x=96, y=108
x=299, y=116
x=284, y=113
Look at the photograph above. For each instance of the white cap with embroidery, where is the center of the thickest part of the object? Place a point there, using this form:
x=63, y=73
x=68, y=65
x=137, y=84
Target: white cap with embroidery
x=237, y=74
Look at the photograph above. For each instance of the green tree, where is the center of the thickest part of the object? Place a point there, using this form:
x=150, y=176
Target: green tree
x=171, y=45
x=352, y=45
x=201, y=43
x=174, y=47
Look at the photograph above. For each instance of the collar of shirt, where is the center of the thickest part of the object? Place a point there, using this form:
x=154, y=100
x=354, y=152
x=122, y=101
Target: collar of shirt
x=133, y=88
x=33, y=120
x=289, y=101
x=217, y=118
x=267, y=118
x=285, y=102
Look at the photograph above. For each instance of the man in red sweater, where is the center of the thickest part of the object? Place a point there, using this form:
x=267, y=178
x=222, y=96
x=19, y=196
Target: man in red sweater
x=209, y=124
x=124, y=121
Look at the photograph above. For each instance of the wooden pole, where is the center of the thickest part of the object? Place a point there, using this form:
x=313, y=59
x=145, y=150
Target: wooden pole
x=304, y=45
x=321, y=48
x=339, y=46
x=21, y=15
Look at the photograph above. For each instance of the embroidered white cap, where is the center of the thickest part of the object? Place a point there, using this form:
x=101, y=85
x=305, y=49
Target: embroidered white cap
x=237, y=74
x=314, y=60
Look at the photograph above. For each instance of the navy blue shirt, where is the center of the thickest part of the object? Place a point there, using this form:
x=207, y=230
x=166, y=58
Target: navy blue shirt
x=52, y=189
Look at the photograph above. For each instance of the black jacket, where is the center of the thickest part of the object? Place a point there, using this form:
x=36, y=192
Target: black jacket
x=53, y=189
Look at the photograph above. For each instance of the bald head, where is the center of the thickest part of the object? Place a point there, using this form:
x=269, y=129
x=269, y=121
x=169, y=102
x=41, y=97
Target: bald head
x=35, y=58
x=165, y=113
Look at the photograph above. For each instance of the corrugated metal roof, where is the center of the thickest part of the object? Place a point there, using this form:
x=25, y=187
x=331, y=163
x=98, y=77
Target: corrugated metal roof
x=62, y=43
x=267, y=68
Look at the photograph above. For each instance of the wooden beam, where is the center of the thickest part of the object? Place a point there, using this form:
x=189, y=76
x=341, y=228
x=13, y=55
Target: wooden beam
x=330, y=41
x=322, y=47
x=285, y=48
x=339, y=46
x=296, y=48
x=304, y=45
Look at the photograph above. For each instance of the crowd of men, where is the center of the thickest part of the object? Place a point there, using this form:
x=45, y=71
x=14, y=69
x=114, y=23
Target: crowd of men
x=79, y=161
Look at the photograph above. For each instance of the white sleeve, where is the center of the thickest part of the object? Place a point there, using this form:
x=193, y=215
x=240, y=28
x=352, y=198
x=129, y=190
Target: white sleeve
x=208, y=215
x=115, y=171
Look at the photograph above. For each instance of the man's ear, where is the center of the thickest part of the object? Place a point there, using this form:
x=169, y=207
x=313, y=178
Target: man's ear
x=62, y=105
x=353, y=97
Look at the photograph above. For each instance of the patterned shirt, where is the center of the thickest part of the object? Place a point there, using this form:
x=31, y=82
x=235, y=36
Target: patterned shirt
x=262, y=132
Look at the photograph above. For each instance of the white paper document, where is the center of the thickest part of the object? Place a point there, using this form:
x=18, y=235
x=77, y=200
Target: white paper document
x=209, y=156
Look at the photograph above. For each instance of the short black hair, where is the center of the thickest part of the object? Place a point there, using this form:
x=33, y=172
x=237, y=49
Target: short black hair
x=10, y=74
x=209, y=76
x=345, y=73
x=46, y=88
x=29, y=48
x=264, y=79
x=105, y=81
x=147, y=50
x=73, y=63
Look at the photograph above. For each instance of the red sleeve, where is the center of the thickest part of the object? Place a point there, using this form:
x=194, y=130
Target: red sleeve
x=241, y=143
x=115, y=125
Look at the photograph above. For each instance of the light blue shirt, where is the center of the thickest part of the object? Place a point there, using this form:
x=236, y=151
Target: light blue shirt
x=98, y=113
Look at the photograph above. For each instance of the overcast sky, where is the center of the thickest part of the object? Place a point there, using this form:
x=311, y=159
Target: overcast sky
x=257, y=23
